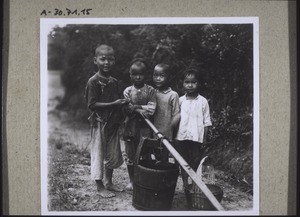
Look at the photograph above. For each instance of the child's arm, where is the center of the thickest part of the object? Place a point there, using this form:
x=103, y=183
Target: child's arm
x=129, y=108
x=175, y=120
x=206, y=120
x=91, y=95
x=206, y=114
x=100, y=105
x=143, y=110
x=205, y=134
x=151, y=105
x=175, y=113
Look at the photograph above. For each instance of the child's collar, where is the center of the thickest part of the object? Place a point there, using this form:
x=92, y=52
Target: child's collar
x=104, y=77
x=192, y=99
x=101, y=76
x=139, y=87
x=165, y=91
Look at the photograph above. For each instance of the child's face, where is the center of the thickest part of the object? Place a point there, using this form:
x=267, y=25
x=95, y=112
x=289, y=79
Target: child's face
x=159, y=77
x=104, y=60
x=190, y=84
x=137, y=76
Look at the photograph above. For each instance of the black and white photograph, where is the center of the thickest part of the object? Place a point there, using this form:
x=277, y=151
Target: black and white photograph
x=149, y=116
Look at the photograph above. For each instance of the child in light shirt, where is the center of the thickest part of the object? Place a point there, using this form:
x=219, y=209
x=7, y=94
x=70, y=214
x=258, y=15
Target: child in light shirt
x=194, y=123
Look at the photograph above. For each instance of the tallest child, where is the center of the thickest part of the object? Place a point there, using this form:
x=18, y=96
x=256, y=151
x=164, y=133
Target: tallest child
x=105, y=103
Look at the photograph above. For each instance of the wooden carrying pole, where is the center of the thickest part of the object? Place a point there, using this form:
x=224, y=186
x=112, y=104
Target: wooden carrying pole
x=187, y=168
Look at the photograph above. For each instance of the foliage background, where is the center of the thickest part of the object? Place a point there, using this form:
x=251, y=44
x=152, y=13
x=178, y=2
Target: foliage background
x=223, y=53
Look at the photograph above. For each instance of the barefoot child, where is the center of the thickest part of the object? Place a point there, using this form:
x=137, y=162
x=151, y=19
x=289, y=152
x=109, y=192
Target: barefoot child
x=104, y=102
x=194, y=122
x=167, y=113
x=142, y=103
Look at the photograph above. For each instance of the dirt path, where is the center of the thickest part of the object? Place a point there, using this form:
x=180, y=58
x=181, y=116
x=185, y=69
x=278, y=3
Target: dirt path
x=72, y=189
x=69, y=183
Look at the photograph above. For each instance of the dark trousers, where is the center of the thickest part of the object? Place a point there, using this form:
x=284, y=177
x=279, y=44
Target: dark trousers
x=191, y=152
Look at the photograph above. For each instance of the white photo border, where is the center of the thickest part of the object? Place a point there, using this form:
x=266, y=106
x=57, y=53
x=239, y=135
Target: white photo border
x=45, y=26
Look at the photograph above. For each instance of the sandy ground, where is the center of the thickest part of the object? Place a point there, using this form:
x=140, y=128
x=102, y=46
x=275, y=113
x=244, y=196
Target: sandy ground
x=69, y=185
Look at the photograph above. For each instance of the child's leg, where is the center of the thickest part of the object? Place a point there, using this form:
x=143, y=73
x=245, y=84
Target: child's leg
x=176, y=146
x=196, y=156
x=184, y=177
x=129, y=157
x=108, y=181
x=129, y=187
x=102, y=191
x=182, y=148
x=97, y=169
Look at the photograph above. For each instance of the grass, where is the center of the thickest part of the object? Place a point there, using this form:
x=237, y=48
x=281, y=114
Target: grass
x=61, y=187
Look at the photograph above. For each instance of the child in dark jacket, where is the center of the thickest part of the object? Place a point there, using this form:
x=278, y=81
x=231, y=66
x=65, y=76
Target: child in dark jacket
x=104, y=103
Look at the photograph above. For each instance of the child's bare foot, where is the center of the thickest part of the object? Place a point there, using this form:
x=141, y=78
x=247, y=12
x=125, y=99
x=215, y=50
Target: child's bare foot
x=105, y=193
x=129, y=187
x=102, y=191
x=113, y=187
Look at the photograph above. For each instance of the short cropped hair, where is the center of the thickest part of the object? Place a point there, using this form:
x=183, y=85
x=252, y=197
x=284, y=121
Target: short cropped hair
x=102, y=47
x=165, y=67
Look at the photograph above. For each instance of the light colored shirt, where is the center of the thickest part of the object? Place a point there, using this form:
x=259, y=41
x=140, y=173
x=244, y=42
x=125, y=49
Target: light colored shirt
x=194, y=117
x=167, y=108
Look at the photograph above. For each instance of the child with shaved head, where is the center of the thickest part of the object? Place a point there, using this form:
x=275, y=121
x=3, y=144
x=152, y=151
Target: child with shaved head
x=167, y=114
x=105, y=104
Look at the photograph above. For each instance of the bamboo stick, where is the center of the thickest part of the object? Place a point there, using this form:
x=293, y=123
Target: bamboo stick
x=186, y=167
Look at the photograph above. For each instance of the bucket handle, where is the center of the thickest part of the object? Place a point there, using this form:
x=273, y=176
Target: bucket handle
x=141, y=145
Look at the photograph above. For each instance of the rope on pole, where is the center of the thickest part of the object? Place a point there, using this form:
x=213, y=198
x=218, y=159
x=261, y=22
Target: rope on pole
x=186, y=167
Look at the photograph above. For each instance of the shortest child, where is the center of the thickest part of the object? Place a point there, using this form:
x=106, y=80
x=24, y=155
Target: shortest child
x=167, y=114
x=194, y=122
x=142, y=103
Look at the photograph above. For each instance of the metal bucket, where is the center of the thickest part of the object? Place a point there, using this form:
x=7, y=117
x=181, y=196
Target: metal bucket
x=154, y=183
x=198, y=201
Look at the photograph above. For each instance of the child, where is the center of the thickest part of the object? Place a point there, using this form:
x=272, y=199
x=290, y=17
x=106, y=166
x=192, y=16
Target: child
x=104, y=102
x=142, y=103
x=195, y=118
x=167, y=113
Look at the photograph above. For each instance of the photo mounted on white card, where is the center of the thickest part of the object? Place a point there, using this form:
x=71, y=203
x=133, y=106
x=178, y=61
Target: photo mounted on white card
x=149, y=116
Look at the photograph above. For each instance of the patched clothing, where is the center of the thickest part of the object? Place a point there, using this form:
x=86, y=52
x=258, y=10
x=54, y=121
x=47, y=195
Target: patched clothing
x=102, y=89
x=105, y=142
x=135, y=126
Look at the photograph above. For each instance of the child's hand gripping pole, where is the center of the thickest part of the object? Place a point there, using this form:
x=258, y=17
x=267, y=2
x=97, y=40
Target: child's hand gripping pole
x=187, y=168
